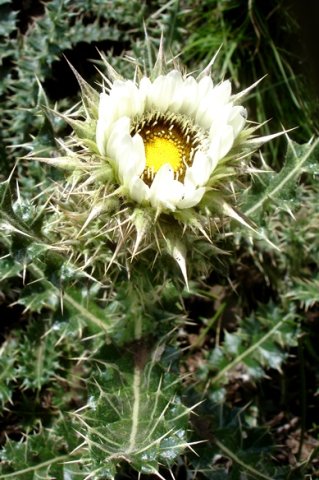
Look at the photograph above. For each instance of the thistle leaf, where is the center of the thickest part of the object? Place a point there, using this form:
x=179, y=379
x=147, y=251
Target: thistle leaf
x=257, y=346
x=38, y=359
x=40, y=456
x=271, y=188
x=305, y=291
x=8, y=355
x=230, y=454
x=9, y=268
x=86, y=311
x=5, y=196
x=134, y=414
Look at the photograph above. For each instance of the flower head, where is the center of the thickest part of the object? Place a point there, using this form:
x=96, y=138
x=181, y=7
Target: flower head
x=160, y=155
x=165, y=138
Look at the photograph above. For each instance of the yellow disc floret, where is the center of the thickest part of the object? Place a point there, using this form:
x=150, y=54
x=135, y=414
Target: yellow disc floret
x=160, y=151
x=168, y=139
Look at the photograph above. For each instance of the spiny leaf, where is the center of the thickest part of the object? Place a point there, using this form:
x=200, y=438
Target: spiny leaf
x=38, y=356
x=5, y=196
x=39, y=456
x=8, y=20
x=8, y=356
x=36, y=301
x=134, y=414
x=305, y=291
x=274, y=187
x=257, y=345
x=86, y=311
x=9, y=268
x=235, y=449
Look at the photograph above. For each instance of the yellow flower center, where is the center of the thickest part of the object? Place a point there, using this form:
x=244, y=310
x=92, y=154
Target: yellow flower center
x=159, y=151
x=164, y=143
x=168, y=139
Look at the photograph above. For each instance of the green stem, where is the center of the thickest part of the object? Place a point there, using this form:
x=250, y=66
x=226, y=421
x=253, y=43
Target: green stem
x=136, y=406
x=13, y=475
x=201, y=337
x=137, y=376
x=303, y=396
x=246, y=353
x=85, y=313
x=237, y=460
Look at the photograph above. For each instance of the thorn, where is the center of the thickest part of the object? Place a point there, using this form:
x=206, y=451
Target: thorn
x=207, y=69
x=171, y=473
x=178, y=252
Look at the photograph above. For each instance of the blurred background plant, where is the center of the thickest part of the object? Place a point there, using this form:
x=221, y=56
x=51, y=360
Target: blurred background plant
x=244, y=339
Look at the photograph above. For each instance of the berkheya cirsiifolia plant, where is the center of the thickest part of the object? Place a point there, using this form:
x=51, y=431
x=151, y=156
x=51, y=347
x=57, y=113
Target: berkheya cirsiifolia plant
x=153, y=170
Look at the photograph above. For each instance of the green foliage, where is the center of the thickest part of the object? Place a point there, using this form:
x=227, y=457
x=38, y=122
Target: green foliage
x=306, y=292
x=8, y=359
x=133, y=414
x=100, y=372
x=256, y=346
x=259, y=39
x=237, y=449
x=279, y=189
x=38, y=358
x=41, y=455
x=150, y=393
x=33, y=56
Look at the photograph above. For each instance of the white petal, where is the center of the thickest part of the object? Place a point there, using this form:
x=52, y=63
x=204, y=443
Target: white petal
x=165, y=192
x=185, y=98
x=226, y=141
x=220, y=145
x=102, y=130
x=126, y=99
x=215, y=106
x=138, y=190
x=222, y=92
x=220, y=118
x=191, y=198
x=105, y=120
x=164, y=174
x=103, y=105
x=162, y=92
x=199, y=172
x=146, y=88
x=145, y=85
x=139, y=145
x=120, y=129
x=122, y=153
x=211, y=115
x=237, y=119
x=130, y=158
x=205, y=85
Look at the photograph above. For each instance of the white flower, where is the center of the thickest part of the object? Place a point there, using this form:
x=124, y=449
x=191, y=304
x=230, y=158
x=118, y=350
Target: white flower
x=164, y=138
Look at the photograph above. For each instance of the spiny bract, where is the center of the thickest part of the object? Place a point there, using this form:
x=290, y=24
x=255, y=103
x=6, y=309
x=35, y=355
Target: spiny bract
x=154, y=163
